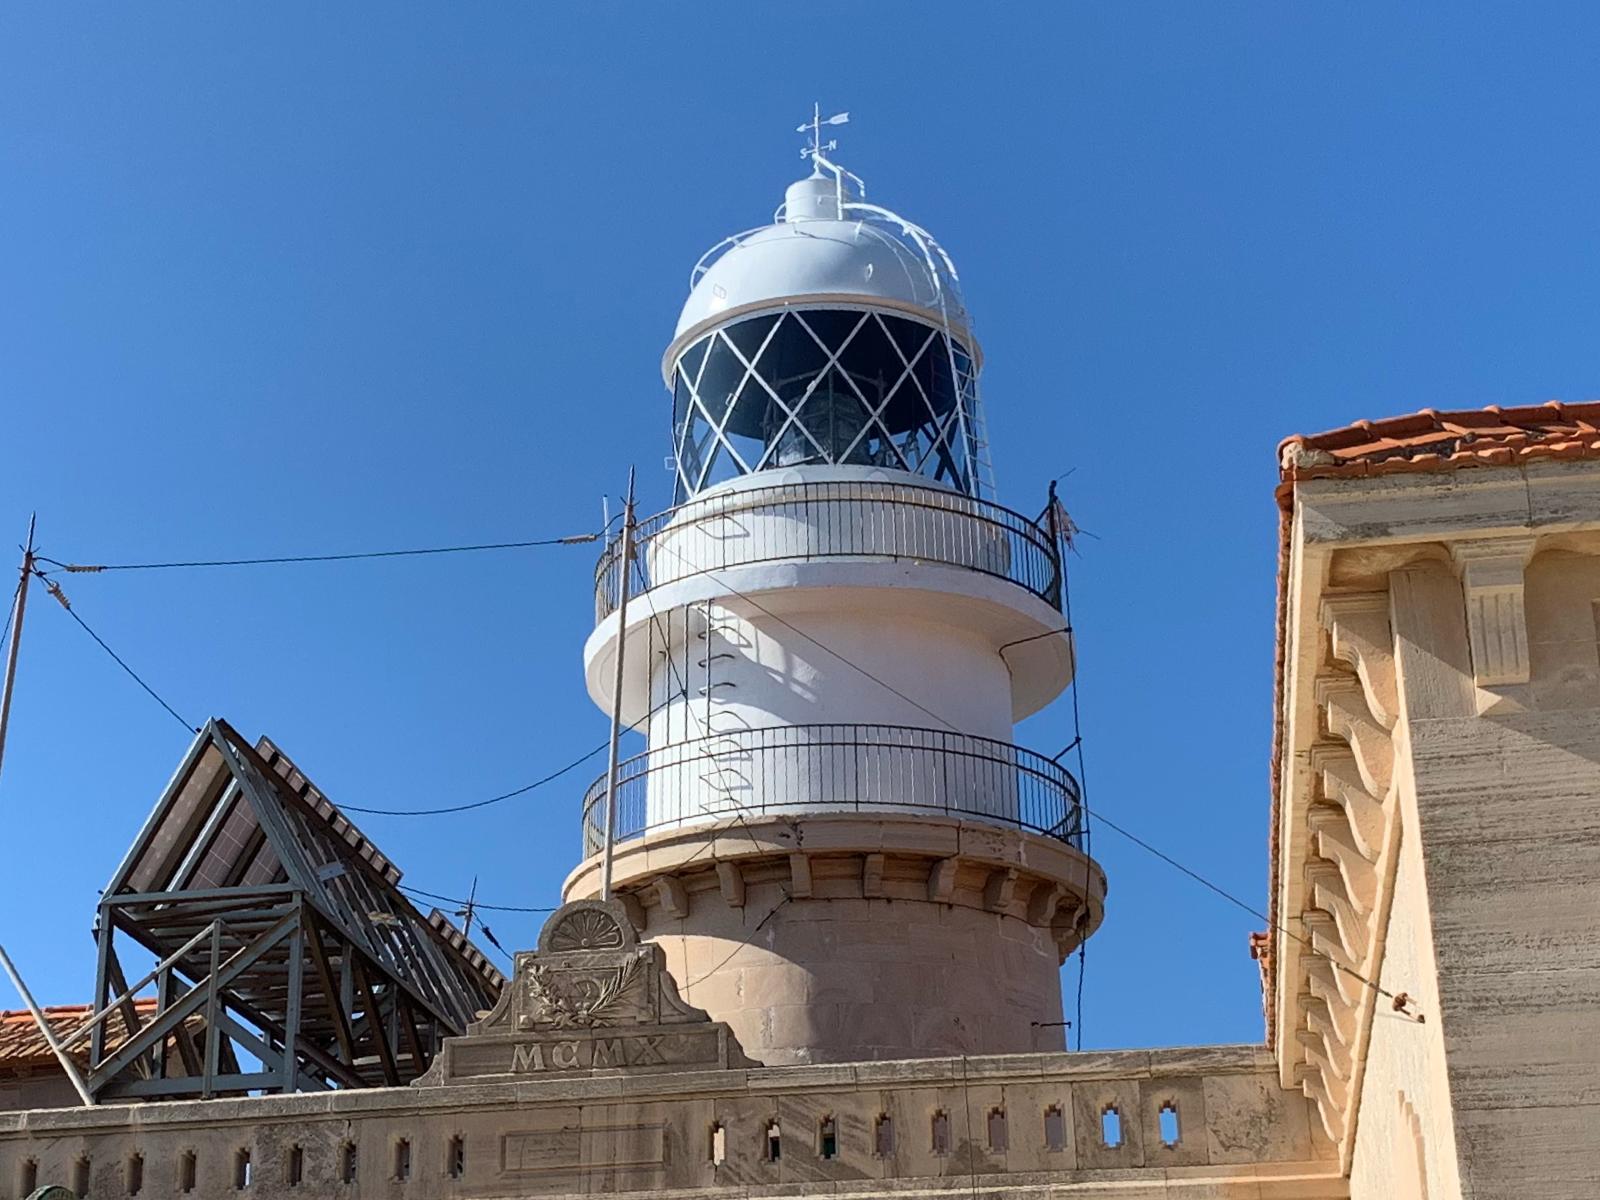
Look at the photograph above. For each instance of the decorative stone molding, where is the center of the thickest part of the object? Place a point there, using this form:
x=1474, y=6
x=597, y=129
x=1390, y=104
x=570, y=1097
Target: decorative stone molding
x=942, y=879
x=1497, y=623
x=1043, y=903
x=1359, y=634
x=730, y=881
x=799, y=876
x=1346, y=814
x=1344, y=705
x=591, y=999
x=1341, y=784
x=872, y=876
x=1000, y=888
x=674, y=901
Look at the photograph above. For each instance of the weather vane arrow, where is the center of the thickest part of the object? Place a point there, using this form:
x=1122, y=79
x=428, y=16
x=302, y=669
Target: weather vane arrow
x=814, y=128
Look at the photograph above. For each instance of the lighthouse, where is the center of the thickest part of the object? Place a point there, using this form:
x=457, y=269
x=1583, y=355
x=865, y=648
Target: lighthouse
x=826, y=642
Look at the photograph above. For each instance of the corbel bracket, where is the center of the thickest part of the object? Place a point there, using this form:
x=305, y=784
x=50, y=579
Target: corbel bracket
x=1497, y=623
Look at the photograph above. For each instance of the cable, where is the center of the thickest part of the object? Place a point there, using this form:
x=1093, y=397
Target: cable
x=55, y=590
x=455, y=808
x=77, y=568
x=1083, y=782
x=511, y=908
x=11, y=613
x=1234, y=900
x=1047, y=633
x=759, y=924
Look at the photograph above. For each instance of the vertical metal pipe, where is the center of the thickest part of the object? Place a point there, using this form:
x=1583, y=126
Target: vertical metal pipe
x=291, y=1020
x=208, y=1070
x=16, y=638
x=624, y=566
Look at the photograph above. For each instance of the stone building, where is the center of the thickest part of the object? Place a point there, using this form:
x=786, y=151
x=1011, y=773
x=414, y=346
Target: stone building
x=813, y=944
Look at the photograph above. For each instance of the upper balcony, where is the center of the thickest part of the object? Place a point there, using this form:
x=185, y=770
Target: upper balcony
x=864, y=519
x=809, y=544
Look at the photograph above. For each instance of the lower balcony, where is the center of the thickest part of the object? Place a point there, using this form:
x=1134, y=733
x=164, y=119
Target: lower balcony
x=798, y=769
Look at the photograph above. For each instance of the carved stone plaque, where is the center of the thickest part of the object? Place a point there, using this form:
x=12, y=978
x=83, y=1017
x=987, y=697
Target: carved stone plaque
x=592, y=999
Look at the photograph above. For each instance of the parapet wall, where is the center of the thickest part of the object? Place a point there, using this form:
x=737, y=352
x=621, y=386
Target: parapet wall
x=1028, y=1125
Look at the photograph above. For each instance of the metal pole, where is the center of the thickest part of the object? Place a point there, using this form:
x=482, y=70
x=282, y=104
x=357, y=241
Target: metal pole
x=67, y=1064
x=16, y=638
x=625, y=567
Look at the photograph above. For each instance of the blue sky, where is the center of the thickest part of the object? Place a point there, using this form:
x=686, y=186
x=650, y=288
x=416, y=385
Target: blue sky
x=304, y=278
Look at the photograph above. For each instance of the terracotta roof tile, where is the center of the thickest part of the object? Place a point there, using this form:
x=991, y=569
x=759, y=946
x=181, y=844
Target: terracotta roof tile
x=23, y=1048
x=1431, y=440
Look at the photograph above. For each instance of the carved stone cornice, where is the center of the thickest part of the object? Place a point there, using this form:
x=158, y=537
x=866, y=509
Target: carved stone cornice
x=1344, y=706
x=1344, y=804
x=1359, y=634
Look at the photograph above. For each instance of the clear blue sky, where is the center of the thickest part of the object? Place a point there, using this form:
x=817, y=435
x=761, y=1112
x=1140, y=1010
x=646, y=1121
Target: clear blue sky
x=302, y=278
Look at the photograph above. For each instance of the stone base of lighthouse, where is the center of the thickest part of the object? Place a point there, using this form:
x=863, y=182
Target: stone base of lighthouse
x=837, y=938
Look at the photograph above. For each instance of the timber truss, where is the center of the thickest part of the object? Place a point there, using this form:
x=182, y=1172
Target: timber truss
x=286, y=957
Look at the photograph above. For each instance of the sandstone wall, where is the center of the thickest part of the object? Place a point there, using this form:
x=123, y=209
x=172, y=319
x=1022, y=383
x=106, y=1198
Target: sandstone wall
x=1238, y=1135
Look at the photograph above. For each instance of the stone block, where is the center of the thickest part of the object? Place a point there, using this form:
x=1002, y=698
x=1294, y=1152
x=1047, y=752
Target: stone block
x=1185, y=1099
x=1250, y=1118
x=1091, y=1101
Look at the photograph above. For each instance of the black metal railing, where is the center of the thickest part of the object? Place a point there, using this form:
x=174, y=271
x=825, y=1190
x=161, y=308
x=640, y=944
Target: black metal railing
x=813, y=768
x=837, y=519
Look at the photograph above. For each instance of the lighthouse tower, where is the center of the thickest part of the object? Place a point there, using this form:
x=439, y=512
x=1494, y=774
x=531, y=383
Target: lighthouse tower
x=826, y=642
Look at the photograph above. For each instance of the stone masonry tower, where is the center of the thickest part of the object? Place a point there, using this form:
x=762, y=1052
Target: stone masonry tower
x=831, y=834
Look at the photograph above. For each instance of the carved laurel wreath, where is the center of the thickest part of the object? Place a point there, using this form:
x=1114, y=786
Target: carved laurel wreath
x=581, y=1002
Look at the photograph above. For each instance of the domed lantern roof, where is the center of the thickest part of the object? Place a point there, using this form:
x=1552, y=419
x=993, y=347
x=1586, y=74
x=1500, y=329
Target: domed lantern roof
x=812, y=251
x=834, y=336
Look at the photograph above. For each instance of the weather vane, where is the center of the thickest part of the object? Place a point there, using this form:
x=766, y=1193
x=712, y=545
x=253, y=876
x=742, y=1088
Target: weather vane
x=817, y=146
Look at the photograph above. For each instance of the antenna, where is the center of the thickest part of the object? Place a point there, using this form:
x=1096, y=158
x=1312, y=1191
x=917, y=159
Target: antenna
x=470, y=908
x=816, y=147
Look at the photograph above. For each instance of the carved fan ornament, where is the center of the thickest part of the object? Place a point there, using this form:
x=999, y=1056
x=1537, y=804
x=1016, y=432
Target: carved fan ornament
x=586, y=929
x=567, y=1002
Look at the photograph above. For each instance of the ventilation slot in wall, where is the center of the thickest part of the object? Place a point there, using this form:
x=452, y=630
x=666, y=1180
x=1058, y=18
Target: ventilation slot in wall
x=186, y=1171
x=241, y=1170
x=135, y=1174
x=1110, y=1127
x=1055, y=1129
x=80, y=1177
x=348, y=1163
x=774, y=1142
x=883, y=1136
x=1167, y=1118
x=455, y=1164
x=718, y=1150
x=941, y=1132
x=296, y=1171
x=402, y=1160
x=828, y=1138
x=999, y=1137
x=28, y=1176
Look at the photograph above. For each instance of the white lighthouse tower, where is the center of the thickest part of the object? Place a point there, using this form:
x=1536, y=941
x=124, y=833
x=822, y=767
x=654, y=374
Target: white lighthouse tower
x=830, y=635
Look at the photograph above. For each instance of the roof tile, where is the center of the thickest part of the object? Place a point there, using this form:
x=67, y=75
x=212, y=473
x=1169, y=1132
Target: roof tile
x=1431, y=440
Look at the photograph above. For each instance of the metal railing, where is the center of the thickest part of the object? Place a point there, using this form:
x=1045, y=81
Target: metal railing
x=835, y=519
x=832, y=768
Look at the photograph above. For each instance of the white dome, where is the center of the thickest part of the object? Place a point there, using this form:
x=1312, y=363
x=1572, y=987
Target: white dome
x=803, y=256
